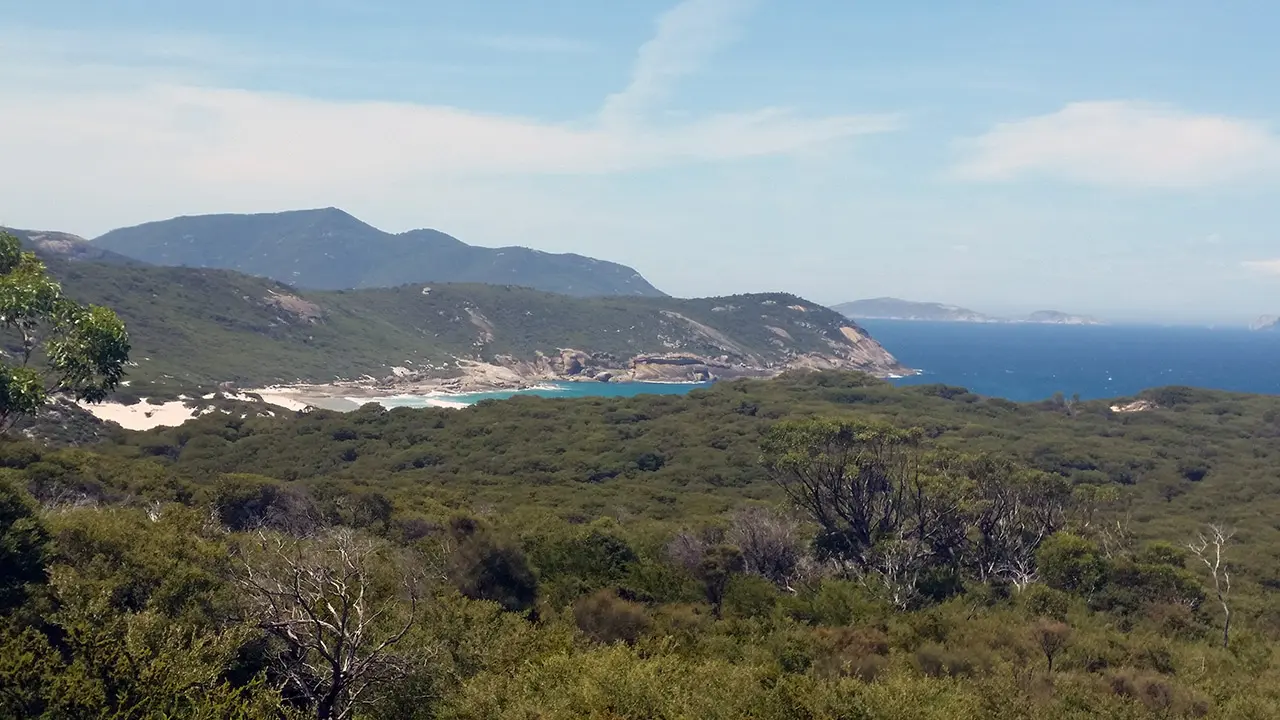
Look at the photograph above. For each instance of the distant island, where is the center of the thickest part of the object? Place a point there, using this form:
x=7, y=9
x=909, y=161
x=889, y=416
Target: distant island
x=1266, y=322
x=887, y=308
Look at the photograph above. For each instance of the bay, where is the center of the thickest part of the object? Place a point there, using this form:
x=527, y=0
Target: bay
x=1026, y=362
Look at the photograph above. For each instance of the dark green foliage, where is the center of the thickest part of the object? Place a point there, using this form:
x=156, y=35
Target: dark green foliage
x=22, y=545
x=484, y=568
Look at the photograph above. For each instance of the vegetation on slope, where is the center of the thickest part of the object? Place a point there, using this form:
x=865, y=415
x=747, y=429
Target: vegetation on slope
x=194, y=327
x=331, y=250
x=638, y=558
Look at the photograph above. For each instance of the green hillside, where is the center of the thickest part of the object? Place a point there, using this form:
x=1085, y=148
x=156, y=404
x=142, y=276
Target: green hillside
x=329, y=249
x=199, y=326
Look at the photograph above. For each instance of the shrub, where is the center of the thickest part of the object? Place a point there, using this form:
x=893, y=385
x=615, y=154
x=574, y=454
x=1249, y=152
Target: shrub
x=607, y=618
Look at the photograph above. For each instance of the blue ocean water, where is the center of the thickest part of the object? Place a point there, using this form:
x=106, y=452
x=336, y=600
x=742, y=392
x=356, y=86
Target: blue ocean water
x=1021, y=362
x=1025, y=362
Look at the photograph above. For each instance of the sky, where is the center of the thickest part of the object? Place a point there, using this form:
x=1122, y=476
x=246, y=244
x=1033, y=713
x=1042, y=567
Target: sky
x=1113, y=157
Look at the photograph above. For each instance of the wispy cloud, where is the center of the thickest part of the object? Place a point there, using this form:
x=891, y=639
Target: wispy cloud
x=184, y=142
x=1124, y=144
x=686, y=38
x=1263, y=267
x=533, y=44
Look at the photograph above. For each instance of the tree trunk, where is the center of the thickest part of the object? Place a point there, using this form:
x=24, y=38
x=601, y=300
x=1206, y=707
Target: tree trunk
x=1226, y=624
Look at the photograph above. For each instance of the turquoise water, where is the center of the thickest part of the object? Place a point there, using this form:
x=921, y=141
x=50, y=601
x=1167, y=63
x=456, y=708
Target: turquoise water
x=550, y=390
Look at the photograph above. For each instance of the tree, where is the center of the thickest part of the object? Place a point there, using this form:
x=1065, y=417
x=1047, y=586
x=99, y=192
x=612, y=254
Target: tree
x=860, y=483
x=338, y=607
x=719, y=564
x=1211, y=551
x=769, y=541
x=892, y=513
x=1014, y=510
x=1072, y=564
x=55, y=345
x=1051, y=636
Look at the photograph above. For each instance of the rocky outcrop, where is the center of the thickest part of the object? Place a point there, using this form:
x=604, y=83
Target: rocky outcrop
x=1266, y=322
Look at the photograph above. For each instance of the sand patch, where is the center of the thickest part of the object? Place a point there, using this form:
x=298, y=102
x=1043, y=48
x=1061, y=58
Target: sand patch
x=142, y=416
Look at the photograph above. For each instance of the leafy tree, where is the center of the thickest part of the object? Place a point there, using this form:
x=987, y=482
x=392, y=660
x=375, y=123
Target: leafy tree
x=719, y=564
x=55, y=346
x=1071, y=563
x=856, y=480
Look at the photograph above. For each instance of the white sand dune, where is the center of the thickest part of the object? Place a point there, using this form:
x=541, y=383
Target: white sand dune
x=143, y=415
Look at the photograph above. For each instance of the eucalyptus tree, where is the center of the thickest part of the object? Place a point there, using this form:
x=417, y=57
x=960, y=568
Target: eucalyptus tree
x=52, y=345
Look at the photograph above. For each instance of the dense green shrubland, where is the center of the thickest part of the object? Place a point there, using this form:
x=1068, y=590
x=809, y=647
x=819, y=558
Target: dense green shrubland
x=650, y=557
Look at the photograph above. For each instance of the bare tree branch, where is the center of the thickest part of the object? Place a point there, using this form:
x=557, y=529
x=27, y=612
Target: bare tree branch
x=329, y=600
x=1211, y=551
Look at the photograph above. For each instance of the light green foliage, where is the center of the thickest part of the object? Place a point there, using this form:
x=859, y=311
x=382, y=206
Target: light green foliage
x=54, y=345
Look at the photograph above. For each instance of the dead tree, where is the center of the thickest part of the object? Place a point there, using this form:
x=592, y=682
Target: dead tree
x=1212, y=552
x=338, y=608
x=1051, y=636
x=769, y=541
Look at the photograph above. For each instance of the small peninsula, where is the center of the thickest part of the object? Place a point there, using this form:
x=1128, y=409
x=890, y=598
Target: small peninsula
x=888, y=308
x=1265, y=323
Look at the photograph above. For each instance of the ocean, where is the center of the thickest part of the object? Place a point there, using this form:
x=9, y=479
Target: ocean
x=1020, y=362
x=1025, y=362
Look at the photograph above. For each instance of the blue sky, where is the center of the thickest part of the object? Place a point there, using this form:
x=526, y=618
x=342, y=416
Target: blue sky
x=1115, y=158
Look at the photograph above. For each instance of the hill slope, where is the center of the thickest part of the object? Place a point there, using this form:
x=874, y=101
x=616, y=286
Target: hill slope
x=331, y=250
x=65, y=246
x=887, y=308
x=201, y=326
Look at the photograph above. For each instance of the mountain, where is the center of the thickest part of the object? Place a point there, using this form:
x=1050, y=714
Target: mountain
x=887, y=308
x=197, y=327
x=331, y=250
x=1266, y=322
x=65, y=246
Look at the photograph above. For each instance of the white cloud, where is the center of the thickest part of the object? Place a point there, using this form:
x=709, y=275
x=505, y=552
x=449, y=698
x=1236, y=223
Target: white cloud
x=90, y=147
x=687, y=36
x=1124, y=144
x=1263, y=267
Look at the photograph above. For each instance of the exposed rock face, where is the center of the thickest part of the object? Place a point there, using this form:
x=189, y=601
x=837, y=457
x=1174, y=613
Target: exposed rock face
x=854, y=351
x=1135, y=406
